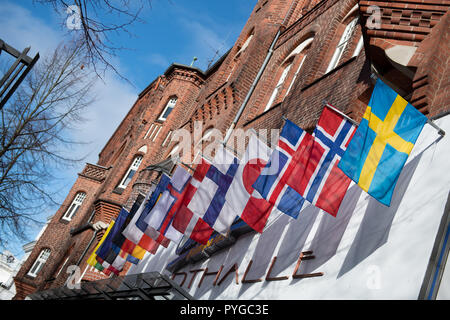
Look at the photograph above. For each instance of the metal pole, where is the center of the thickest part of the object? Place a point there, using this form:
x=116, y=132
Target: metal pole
x=340, y=112
x=429, y=121
x=258, y=76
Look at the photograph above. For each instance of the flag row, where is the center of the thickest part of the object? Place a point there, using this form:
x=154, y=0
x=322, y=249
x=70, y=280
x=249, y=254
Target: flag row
x=315, y=168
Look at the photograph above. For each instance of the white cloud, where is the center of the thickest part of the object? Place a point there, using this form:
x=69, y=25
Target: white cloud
x=206, y=41
x=158, y=60
x=113, y=96
x=20, y=29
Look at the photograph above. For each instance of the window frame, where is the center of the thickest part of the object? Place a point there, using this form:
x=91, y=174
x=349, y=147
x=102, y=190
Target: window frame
x=133, y=166
x=281, y=81
x=343, y=43
x=74, y=206
x=168, y=105
x=39, y=262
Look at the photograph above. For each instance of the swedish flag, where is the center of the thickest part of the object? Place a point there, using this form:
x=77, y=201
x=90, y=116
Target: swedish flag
x=385, y=137
x=92, y=259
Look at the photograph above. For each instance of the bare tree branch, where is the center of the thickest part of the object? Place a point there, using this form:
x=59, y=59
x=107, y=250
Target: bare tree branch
x=99, y=21
x=35, y=126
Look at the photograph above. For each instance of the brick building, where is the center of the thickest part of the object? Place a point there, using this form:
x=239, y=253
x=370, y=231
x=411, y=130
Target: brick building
x=291, y=56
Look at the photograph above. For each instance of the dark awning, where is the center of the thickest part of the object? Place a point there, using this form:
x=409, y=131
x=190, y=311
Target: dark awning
x=142, y=286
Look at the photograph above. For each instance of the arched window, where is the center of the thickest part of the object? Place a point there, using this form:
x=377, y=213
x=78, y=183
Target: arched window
x=279, y=85
x=294, y=61
x=174, y=150
x=359, y=46
x=168, y=109
x=130, y=172
x=240, y=50
x=343, y=43
x=300, y=50
x=246, y=43
x=74, y=206
x=39, y=263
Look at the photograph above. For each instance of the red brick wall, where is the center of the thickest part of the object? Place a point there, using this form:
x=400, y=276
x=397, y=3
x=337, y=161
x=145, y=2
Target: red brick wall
x=214, y=97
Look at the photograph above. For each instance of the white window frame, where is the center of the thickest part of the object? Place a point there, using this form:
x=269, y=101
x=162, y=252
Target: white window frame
x=295, y=75
x=278, y=86
x=157, y=133
x=343, y=42
x=148, y=131
x=171, y=104
x=133, y=167
x=244, y=46
x=39, y=262
x=74, y=206
x=358, y=48
x=154, y=130
x=167, y=138
x=62, y=267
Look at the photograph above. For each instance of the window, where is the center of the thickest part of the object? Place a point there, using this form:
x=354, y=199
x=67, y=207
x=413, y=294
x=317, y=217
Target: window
x=246, y=43
x=168, y=109
x=153, y=131
x=174, y=150
x=149, y=130
x=167, y=138
x=278, y=86
x=343, y=42
x=359, y=46
x=130, y=172
x=295, y=75
x=157, y=132
x=74, y=206
x=39, y=263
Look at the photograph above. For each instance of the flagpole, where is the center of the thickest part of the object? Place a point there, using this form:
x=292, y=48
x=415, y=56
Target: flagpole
x=235, y=152
x=185, y=164
x=429, y=121
x=325, y=102
x=439, y=130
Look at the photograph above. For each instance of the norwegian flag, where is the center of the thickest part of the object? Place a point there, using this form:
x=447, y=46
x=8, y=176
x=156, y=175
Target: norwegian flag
x=277, y=182
x=323, y=183
x=185, y=221
x=242, y=199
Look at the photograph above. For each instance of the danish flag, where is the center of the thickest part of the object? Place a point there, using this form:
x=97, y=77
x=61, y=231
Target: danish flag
x=161, y=216
x=185, y=221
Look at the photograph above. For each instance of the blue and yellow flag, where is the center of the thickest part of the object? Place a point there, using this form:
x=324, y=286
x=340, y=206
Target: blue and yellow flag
x=385, y=137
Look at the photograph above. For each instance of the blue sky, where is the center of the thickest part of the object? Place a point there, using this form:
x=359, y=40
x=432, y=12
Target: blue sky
x=173, y=31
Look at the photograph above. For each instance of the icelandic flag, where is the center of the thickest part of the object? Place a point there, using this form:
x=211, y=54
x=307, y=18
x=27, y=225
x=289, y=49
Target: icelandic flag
x=242, y=199
x=382, y=143
x=209, y=199
x=277, y=183
x=160, y=217
x=317, y=177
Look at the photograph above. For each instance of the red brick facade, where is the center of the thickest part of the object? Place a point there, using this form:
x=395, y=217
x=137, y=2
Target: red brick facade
x=311, y=30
